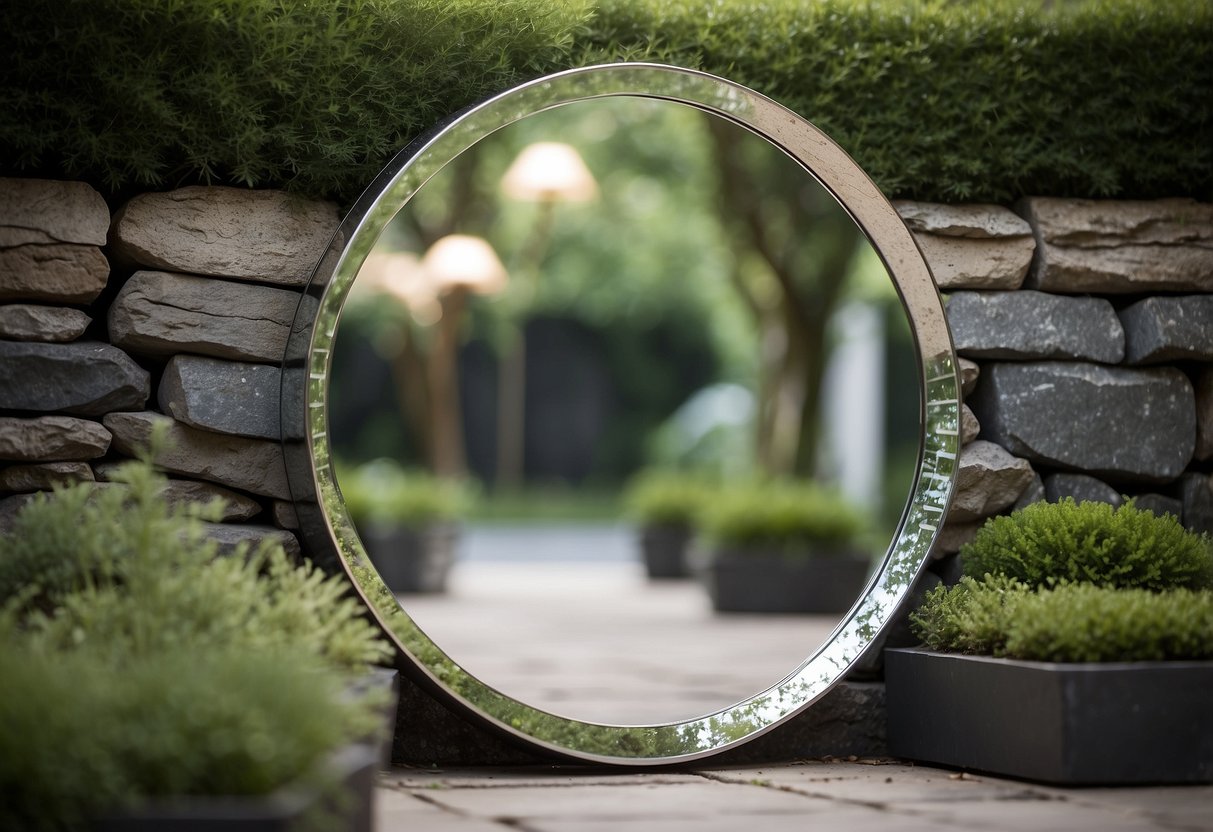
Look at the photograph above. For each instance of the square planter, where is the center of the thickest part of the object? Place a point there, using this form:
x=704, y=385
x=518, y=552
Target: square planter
x=412, y=559
x=1069, y=724
x=780, y=582
x=664, y=550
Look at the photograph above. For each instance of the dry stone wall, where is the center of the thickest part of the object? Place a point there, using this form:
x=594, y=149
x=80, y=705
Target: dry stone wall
x=174, y=309
x=1085, y=335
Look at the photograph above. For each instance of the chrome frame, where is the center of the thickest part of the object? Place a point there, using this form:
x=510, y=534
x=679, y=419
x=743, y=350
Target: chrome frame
x=334, y=544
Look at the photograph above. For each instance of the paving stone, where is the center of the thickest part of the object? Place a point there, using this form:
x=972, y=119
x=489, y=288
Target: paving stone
x=84, y=378
x=970, y=428
x=51, y=211
x=1196, y=492
x=51, y=439
x=222, y=396
x=1083, y=488
x=1109, y=246
x=971, y=246
x=159, y=313
x=988, y=480
x=1114, y=423
x=229, y=536
x=56, y=324
x=61, y=273
x=1034, y=325
x=252, y=465
x=1204, y=414
x=969, y=373
x=397, y=810
x=266, y=236
x=1165, y=329
x=1160, y=504
x=44, y=476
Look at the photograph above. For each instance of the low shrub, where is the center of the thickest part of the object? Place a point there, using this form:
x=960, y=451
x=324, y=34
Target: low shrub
x=383, y=492
x=1070, y=622
x=781, y=515
x=1045, y=544
x=666, y=498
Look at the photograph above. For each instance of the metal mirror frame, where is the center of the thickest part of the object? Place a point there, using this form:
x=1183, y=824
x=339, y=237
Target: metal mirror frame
x=334, y=544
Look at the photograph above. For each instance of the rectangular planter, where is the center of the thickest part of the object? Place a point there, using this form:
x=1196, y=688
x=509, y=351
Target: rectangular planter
x=1071, y=724
x=412, y=559
x=777, y=582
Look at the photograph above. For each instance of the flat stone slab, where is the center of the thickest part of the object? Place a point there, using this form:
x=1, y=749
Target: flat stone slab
x=1113, y=246
x=1035, y=325
x=1204, y=414
x=265, y=236
x=44, y=476
x=230, y=537
x=1114, y=423
x=1082, y=488
x=50, y=324
x=1165, y=329
x=1196, y=493
x=223, y=396
x=236, y=507
x=252, y=465
x=50, y=211
x=62, y=273
x=1160, y=504
x=159, y=313
x=51, y=439
x=85, y=378
x=971, y=246
x=988, y=480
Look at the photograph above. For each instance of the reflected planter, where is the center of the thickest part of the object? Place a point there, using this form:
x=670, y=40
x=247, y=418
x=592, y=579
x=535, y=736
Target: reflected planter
x=412, y=559
x=763, y=580
x=664, y=548
x=1070, y=724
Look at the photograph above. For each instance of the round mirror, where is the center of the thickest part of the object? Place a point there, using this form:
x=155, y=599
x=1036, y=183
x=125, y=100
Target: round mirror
x=607, y=269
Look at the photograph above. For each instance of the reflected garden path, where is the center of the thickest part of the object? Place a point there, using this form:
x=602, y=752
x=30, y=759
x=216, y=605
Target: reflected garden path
x=563, y=618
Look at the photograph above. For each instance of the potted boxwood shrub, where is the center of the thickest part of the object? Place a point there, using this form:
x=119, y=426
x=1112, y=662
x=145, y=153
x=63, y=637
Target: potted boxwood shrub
x=782, y=547
x=407, y=521
x=1076, y=649
x=150, y=683
x=663, y=504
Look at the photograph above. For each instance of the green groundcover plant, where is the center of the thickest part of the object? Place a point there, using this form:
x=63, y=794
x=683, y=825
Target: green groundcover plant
x=384, y=492
x=135, y=662
x=780, y=515
x=935, y=99
x=667, y=498
x=1077, y=582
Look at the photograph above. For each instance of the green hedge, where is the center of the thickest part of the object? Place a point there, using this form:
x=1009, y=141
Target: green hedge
x=936, y=100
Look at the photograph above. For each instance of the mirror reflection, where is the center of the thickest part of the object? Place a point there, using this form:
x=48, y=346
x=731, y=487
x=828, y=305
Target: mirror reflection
x=624, y=409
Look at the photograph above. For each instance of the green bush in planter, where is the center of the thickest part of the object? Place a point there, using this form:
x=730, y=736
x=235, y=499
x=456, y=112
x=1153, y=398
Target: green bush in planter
x=1047, y=543
x=383, y=492
x=784, y=516
x=666, y=498
x=138, y=663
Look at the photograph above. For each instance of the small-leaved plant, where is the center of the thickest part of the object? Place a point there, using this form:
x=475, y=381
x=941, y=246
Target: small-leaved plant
x=666, y=498
x=780, y=516
x=383, y=492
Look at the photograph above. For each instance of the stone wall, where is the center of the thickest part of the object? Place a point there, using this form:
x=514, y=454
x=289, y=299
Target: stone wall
x=173, y=309
x=1085, y=334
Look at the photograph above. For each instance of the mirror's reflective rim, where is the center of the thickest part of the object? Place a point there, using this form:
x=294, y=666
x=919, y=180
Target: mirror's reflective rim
x=333, y=542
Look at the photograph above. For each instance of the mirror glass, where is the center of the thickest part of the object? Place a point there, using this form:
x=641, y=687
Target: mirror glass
x=605, y=271
x=589, y=295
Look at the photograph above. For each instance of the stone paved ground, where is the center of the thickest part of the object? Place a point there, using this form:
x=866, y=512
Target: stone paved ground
x=856, y=796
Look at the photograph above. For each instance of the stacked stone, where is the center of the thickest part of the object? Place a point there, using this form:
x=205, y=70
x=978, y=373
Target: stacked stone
x=204, y=285
x=1085, y=334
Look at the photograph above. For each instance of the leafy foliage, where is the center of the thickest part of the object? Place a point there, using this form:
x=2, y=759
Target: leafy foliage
x=659, y=497
x=382, y=491
x=780, y=514
x=936, y=99
x=1047, y=543
x=1071, y=622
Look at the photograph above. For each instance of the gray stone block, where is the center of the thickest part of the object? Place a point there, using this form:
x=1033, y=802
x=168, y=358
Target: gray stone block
x=229, y=537
x=86, y=378
x=953, y=536
x=159, y=313
x=52, y=324
x=50, y=211
x=60, y=273
x=1110, y=246
x=1196, y=491
x=266, y=236
x=970, y=428
x=1082, y=488
x=222, y=396
x=1035, y=325
x=988, y=480
x=252, y=465
x=1034, y=493
x=1164, y=329
x=285, y=516
x=971, y=246
x=1111, y=422
x=1204, y=414
x=969, y=373
x=51, y=439
x=44, y=476
x=1160, y=504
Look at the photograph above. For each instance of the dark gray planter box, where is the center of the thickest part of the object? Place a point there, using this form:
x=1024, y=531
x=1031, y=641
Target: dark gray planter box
x=412, y=559
x=1071, y=724
x=781, y=582
x=664, y=549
